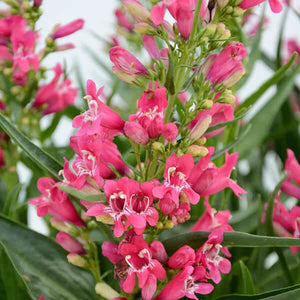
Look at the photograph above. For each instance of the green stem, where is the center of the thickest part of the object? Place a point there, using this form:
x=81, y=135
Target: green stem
x=169, y=108
x=196, y=19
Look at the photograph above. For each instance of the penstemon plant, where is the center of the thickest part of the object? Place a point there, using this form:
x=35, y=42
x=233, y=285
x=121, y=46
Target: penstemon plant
x=148, y=202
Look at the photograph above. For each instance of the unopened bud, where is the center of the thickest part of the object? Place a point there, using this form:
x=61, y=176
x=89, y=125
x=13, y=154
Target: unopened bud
x=105, y=219
x=144, y=28
x=169, y=224
x=229, y=10
x=226, y=34
x=210, y=29
x=64, y=226
x=207, y=104
x=137, y=10
x=234, y=78
x=106, y=291
x=159, y=225
x=220, y=29
x=197, y=151
x=157, y=146
x=201, y=141
x=26, y=6
x=77, y=260
x=7, y=71
x=199, y=129
x=238, y=12
x=222, y=3
x=228, y=97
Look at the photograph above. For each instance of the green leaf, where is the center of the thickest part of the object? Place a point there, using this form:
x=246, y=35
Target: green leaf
x=99, y=197
x=43, y=264
x=190, y=79
x=255, y=51
x=231, y=239
x=266, y=85
x=262, y=121
x=12, y=285
x=291, y=292
x=11, y=201
x=51, y=128
x=44, y=160
x=246, y=285
x=232, y=144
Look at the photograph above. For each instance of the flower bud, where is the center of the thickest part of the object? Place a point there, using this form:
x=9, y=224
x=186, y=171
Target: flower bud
x=170, y=131
x=210, y=29
x=37, y=3
x=199, y=129
x=157, y=146
x=65, y=47
x=68, y=243
x=136, y=132
x=196, y=150
x=138, y=12
x=159, y=225
x=169, y=224
x=105, y=219
x=77, y=260
x=207, y=104
x=68, y=29
x=237, y=12
x=144, y=29
x=159, y=252
x=200, y=141
x=234, y=77
x=222, y=3
x=106, y=291
x=220, y=29
x=184, y=256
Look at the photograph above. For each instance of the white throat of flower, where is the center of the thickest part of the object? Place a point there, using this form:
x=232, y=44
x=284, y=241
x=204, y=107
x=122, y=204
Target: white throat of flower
x=92, y=113
x=142, y=254
x=82, y=164
x=190, y=286
x=183, y=184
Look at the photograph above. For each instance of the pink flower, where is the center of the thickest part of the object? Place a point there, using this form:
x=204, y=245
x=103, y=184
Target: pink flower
x=55, y=202
x=180, y=214
x=56, y=95
x=211, y=219
x=123, y=21
x=99, y=116
x=208, y=256
x=176, y=176
x=184, y=256
x=126, y=66
x=206, y=179
x=148, y=122
x=230, y=58
x=69, y=244
x=291, y=184
x=219, y=113
x=134, y=258
x=275, y=5
x=68, y=29
x=159, y=252
x=185, y=284
x=129, y=204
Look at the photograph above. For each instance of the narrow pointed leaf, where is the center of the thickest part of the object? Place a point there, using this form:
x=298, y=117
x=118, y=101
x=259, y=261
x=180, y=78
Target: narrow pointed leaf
x=44, y=160
x=99, y=197
x=170, y=76
x=231, y=239
x=11, y=201
x=44, y=265
x=12, y=284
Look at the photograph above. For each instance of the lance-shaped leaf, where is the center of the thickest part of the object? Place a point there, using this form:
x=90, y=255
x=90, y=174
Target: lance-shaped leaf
x=43, y=264
x=262, y=121
x=231, y=239
x=266, y=85
x=291, y=292
x=169, y=84
x=44, y=160
x=12, y=284
x=81, y=195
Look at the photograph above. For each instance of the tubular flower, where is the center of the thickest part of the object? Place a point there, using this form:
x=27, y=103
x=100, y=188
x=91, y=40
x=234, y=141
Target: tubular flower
x=176, y=176
x=68, y=29
x=55, y=202
x=56, y=95
x=275, y=5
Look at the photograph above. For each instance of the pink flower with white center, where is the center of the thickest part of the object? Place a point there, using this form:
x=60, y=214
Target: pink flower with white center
x=99, y=116
x=56, y=95
x=150, y=118
x=208, y=256
x=118, y=195
x=292, y=183
x=55, y=202
x=219, y=113
x=185, y=284
x=139, y=211
x=176, y=176
x=206, y=179
x=230, y=58
x=138, y=258
x=62, y=31
x=211, y=219
x=275, y=5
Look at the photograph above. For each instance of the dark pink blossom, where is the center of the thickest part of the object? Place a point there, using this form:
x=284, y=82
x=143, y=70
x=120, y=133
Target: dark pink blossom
x=56, y=95
x=184, y=256
x=69, y=244
x=123, y=20
x=55, y=202
x=275, y=5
